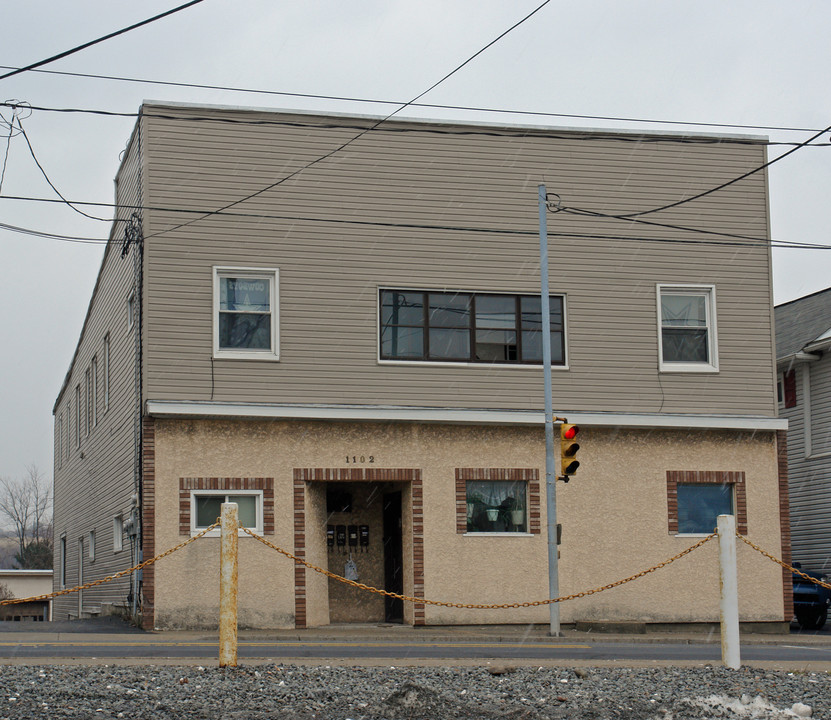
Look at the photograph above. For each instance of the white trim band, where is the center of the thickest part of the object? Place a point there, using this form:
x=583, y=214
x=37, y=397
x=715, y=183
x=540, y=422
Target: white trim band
x=375, y=413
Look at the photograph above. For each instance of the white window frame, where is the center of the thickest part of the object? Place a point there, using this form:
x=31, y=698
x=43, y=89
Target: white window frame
x=91, y=546
x=131, y=310
x=709, y=294
x=94, y=388
x=194, y=529
x=118, y=533
x=62, y=560
x=59, y=448
x=272, y=276
x=106, y=372
x=78, y=416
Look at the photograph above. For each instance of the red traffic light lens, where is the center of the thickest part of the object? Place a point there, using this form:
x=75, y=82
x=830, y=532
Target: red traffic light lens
x=571, y=432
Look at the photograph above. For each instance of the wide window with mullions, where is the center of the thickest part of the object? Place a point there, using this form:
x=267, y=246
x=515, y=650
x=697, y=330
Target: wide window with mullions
x=468, y=327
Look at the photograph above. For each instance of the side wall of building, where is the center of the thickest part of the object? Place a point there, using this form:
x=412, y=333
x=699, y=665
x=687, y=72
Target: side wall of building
x=809, y=464
x=616, y=518
x=95, y=427
x=429, y=206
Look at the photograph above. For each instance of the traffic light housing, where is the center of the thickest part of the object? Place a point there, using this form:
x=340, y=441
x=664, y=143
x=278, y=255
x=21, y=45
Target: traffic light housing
x=568, y=451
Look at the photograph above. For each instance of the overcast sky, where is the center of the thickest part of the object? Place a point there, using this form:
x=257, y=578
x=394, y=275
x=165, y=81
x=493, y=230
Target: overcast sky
x=748, y=62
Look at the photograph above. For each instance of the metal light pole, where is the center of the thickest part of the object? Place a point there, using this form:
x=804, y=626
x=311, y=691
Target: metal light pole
x=550, y=469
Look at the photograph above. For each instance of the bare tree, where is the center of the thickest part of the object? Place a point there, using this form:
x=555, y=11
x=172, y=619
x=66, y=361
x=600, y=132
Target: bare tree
x=26, y=503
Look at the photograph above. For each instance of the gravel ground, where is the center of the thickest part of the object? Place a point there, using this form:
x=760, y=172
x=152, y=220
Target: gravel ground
x=337, y=693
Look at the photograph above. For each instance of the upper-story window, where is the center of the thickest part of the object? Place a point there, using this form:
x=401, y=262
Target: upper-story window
x=687, y=332
x=131, y=310
x=246, y=313
x=468, y=327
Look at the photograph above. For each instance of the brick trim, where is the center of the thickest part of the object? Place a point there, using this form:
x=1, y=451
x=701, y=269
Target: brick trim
x=785, y=520
x=299, y=491
x=187, y=485
x=148, y=521
x=410, y=475
x=528, y=475
x=706, y=477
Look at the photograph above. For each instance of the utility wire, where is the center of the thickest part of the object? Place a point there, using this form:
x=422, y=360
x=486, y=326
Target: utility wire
x=748, y=242
x=54, y=236
x=588, y=135
x=377, y=101
x=372, y=127
x=624, y=216
x=109, y=36
x=51, y=184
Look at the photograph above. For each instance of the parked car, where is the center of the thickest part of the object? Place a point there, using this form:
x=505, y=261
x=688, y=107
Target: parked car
x=810, y=601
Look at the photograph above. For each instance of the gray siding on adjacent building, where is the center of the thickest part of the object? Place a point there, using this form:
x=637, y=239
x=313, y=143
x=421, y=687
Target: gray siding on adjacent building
x=810, y=476
x=464, y=181
x=94, y=480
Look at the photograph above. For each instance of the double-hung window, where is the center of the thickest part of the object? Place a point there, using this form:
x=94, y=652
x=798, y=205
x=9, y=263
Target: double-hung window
x=206, y=507
x=246, y=322
x=687, y=328
x=468, y=327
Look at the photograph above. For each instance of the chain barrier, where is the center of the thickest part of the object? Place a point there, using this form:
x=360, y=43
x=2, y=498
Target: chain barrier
x=472, y=606
x=795, y=571
x=114, y=576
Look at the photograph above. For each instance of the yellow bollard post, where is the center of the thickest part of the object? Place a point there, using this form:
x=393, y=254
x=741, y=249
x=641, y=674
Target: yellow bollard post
x=228, y=585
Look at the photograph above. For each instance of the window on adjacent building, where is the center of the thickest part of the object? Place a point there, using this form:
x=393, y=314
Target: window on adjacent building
x=62, y=561
x=496, y=506
x=59, y=448
x=118, y=533
x=246, y=322
x=77, y=416
x=468, y=327
x=91, y=545
x=206, y=508
x=131, y=309
x=687, y=337
x=93, y=403
x=106, y=372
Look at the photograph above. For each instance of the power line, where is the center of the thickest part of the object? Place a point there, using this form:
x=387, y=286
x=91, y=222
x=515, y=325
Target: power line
x=587, y=135
x=46, y=177
x=54, y=236
x=747, y=242
x=626, y=216
x=78, y=48
x=363, y=132
x=378, y=101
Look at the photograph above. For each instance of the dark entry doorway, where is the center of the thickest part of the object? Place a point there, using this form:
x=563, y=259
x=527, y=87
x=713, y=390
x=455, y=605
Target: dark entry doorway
x=393, y=557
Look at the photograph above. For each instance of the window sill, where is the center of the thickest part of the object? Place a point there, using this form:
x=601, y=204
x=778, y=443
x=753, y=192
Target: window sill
x=267, y=356
x=693, y=535
x=217, y=533
x=687, y=368
x=498, y=534
x=462, y=363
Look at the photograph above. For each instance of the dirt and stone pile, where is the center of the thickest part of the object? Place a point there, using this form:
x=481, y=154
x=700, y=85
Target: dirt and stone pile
x=341, y=693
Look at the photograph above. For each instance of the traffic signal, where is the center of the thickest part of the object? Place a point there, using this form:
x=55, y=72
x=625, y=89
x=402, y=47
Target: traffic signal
x=568, y=451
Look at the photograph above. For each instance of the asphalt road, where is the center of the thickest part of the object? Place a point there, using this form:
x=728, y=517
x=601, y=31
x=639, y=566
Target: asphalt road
x=152, y=648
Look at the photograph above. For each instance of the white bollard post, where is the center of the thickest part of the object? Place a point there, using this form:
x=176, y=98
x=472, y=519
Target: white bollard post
x=730, y=645
x=228, y=585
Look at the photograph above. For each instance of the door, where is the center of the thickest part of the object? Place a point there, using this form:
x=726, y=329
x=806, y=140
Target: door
x=393, y=557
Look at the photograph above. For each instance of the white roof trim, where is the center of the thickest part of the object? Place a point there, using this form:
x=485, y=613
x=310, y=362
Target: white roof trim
x=386, y=413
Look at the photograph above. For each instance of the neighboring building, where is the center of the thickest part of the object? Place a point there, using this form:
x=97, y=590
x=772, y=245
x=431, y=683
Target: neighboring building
x=351, y=351
x=27, y=584
x=803, y=341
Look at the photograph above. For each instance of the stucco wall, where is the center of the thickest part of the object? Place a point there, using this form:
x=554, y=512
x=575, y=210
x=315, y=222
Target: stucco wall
x=614, y=517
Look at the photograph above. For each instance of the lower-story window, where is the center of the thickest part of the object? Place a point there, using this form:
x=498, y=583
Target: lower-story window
x=207, y=507
x=496, y=506
x=695, y=499
x=699, y=506
x=497, y=500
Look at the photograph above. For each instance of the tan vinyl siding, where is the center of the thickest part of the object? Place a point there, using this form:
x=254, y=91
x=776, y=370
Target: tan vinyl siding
x=331, y=266
x=94, y=482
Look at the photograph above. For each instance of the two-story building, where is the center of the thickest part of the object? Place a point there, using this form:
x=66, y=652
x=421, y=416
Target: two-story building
x=336, y=324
